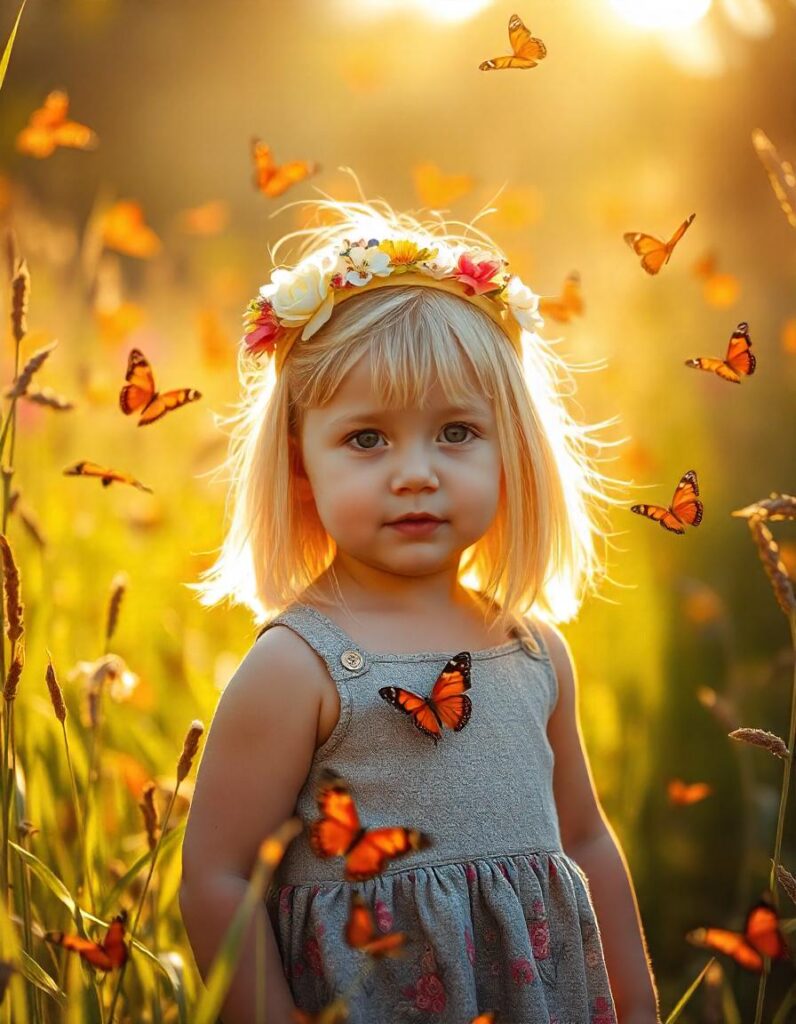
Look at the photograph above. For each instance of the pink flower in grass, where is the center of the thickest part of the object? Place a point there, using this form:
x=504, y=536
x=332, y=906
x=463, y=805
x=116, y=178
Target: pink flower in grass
x=477, y=275
x=522, y=970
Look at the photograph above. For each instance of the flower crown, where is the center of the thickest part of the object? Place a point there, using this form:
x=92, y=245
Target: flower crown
x=300, y=301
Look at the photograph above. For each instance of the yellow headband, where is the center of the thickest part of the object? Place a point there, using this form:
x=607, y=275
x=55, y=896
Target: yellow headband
x=299, y=302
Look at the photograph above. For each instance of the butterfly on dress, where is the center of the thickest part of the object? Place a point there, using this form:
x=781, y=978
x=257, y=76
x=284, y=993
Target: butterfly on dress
x=685, y=510
x=738, y=362
x=567, y=305
x=338, y=833
x=360, y=932
x=107, y=475
x=653, y=252
x=761, y=937
x=335, y=1012
x=447, y=704
x=107, y=955
x=272, y=179
x=527, y=50
x=139, y=392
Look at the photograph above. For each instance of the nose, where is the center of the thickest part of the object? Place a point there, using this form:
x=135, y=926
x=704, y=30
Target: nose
x=415, y=470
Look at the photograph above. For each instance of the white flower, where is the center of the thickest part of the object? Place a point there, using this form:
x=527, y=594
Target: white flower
x=442, y=265
x=302, y=295
x=365, y=262
x=523, y=303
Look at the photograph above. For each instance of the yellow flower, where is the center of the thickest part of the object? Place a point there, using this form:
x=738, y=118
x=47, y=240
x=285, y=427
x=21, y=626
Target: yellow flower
x=404, y=254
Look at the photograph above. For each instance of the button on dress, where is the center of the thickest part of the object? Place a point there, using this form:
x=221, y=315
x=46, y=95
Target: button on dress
x=497, y=916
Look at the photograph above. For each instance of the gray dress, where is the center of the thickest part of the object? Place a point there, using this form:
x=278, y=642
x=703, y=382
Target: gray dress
x=497, y=916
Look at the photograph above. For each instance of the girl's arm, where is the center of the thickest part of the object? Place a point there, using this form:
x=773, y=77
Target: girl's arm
x=588, y=839
x=256, y=758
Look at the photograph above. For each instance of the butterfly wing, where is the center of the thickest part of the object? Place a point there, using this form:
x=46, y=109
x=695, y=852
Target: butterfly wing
x=139, y=390
x=448, y=697
x=333, y=834
x=273, y=179
x=717, y=366
x=661, y=515
x=527, y=50
x=730, y=943
x=360, y=931
x=761, y=931
x=653, y=251
x=418, y=709
x=105, y=956
x=107, y=475
x=685, y=504
x=739, y=356
x=678, y=234
x=165, y=402
x=376, y=847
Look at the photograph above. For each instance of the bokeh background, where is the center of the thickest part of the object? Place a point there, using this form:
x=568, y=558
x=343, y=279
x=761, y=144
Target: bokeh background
x=641, y=114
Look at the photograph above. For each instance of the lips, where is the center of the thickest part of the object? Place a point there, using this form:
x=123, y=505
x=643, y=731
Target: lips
x=422, y=518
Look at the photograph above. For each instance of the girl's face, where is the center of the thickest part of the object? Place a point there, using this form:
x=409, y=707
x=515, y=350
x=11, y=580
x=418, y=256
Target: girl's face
x=366, y=467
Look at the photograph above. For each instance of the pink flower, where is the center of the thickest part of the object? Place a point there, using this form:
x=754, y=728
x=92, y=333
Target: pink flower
x=469, y=946
x=539, y=934
x=428, y=962
x=538, y=908
x=470, y=872
x=261, y=327
x=383, y=916
x=521, y=970
x=284, y=899
x=312, y=951
x=477, y=276
x=603, y=1014
x=430, y=993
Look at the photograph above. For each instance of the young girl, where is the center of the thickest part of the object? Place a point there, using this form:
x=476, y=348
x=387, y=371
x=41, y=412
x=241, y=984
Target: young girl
x=412, y=497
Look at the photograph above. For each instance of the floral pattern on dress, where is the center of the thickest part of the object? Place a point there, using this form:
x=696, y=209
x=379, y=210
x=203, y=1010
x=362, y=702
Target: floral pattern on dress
x=384, y=919
x=428, y=991
x=602, y=1012
x=469, y=945
x=522, y=972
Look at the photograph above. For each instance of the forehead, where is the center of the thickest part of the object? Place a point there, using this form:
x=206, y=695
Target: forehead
x=357, y=390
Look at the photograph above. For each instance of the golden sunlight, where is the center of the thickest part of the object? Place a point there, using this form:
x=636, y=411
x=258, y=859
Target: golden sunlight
x=662, y=13
x=438, y=10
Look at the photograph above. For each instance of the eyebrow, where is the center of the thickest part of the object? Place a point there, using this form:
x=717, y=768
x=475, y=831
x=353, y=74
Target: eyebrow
x=378, y=414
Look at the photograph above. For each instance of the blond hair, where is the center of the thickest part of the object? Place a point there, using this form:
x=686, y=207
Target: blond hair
x=540, y=555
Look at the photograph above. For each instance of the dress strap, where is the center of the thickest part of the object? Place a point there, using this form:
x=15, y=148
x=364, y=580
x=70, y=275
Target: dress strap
x=344, y=658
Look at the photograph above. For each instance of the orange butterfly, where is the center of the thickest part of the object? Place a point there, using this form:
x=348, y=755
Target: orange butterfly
x=738, y=362
x=570, y=303
x=436, y=189
x=528, y=50
x=338, y=833
x=272, y=179
x=107, y=955
x=48, y=128
x=682, y=794
x=447, y=705
x=484, y=1018
x=108, y=476
x=685, y=509
x=140, y=393
x=124, y=229
x=335, y=1012
x=654, y=253
x=360, y=932
x=760, y=937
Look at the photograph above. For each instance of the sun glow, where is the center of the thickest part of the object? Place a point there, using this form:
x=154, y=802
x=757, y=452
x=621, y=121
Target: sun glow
x=663, y=14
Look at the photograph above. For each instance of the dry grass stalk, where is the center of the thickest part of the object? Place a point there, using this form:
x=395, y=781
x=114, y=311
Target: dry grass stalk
x=118, y=589
x=20, y=292
x=47, y=396
x=774, y=508
x=787, y=881
x=20, y=385
x=14, y=606
x=56, y=693
x=189, y=749
x=772, y=562
x=760, y=738
x=150, y=814
x=14, y=673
